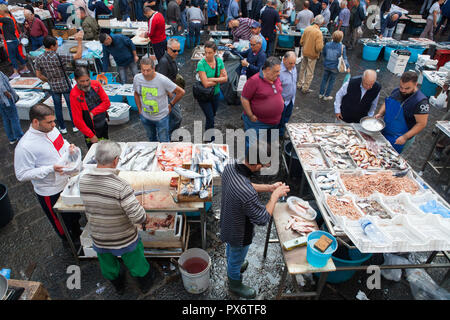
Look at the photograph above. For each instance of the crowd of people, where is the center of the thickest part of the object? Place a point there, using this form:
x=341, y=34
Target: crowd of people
x=268, y=99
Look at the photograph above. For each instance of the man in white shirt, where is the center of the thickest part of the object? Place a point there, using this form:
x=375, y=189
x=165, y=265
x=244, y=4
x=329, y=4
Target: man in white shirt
x=37, y=158
x=357, y=98
x=432, y=20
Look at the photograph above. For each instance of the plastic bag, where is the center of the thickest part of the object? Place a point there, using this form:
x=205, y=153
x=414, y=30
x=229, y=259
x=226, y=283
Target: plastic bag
x=423, y=286
x=392, y=259
x=440, y=101
x=71, y=161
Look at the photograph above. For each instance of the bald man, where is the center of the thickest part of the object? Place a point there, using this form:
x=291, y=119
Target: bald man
x=387, y=29
x=358, y=97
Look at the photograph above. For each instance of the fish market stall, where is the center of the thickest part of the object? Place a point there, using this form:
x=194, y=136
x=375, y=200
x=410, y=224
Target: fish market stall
x=357, y=179
x=444, y=130
x=169, y=179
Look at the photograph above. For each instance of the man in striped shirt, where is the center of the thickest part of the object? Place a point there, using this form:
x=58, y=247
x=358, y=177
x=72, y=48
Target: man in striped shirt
x=241, y=28
x=112, y=211
x=240, y=210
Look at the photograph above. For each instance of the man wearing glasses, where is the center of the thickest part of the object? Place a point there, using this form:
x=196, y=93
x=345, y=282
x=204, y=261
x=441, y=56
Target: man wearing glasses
x=168, y=67
x=262, y=101
x=254, y=58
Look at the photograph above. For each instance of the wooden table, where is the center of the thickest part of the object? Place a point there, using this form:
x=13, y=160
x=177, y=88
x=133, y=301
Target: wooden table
x=295, y=259
x=33, y=290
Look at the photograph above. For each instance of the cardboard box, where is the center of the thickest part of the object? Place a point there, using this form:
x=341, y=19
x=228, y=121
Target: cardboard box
x=65, y=34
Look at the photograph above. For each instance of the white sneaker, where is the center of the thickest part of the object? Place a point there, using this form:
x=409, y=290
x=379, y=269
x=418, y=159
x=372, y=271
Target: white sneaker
x=298, y=60
x=328, y=98
x=14, y=141
x=75, y=129
x=63, y=131
x=14, y=75
x=320, y=96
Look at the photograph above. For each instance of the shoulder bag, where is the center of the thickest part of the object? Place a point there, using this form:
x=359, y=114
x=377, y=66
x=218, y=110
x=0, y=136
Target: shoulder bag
x=200, y=92
x=341, y=64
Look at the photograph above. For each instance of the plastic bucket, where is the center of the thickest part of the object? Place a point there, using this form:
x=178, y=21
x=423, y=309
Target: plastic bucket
x=132, y=103
x=371, y=52
x=6, y=211
x=415, y=51
x=356, y=258
x=285, y=41
x=314, y=257
x=195, y=282
x=428, y=88
x=388, y=50
x=181, y=40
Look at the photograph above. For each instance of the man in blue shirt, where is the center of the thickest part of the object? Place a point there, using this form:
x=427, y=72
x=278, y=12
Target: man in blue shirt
x=256, y=30
x=387, y=28
x=233, y=11
x=123, y=51
x=66, y=10
x=254, y=58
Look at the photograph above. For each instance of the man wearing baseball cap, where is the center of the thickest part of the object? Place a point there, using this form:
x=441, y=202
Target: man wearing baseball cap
x=256, y=30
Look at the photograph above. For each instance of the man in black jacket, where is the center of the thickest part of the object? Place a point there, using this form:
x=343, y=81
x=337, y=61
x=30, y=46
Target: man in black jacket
x=357, y=18
x=167, y=66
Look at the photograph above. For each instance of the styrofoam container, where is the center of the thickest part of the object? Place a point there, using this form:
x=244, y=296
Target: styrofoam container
x=143, y=145
x=337, y=219
x=316, y=184
x=29, y=98
x=163, y=234
x=67, y=197
x=89, y=252
x=435, y=230
x=378, y=198
x=119, y=113
x=91, y=153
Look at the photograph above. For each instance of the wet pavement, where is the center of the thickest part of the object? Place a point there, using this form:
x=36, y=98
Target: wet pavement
x=30, y=247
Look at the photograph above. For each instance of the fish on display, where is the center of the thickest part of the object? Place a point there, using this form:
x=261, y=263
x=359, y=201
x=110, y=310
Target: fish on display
x=187, y=173
x=130, y=156
x=197, y=185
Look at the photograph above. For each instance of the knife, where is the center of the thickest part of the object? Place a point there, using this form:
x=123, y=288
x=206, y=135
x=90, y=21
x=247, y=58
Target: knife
x=138, y=193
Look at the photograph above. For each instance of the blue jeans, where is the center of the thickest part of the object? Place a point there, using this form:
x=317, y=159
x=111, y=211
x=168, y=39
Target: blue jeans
x=388, y=32
x=183, y=19
x=123, y=72
x=139, y=9
x=57, y=101
x=285, y=116
x=235, y=258
x=156, y=130
x=256, y=126
x=37, y=42
x=194, y=34
x=11, y=121
x=14, y=55
x=270, y=47
x=328, y=77
x=210, y=109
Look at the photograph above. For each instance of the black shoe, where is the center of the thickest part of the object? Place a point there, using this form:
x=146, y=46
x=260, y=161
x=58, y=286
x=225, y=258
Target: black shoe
x=119, y=282
x=146, y=282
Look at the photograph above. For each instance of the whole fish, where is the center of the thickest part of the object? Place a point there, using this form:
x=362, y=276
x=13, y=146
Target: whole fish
x=203, y=194
x=148, y=151
x=209, y=174
x=197, y=185
x=187, y=173
x=205, y=178
x=220, y=153
x=220, y=167
x=130, y=156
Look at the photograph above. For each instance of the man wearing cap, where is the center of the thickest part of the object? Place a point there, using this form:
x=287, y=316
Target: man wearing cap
x=256, y=31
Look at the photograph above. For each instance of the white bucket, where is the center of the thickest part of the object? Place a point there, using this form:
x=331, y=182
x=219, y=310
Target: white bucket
x=195, y=282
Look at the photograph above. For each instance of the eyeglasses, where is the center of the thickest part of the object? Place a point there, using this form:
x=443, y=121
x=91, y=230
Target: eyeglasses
x=175, y=50
x=274, y=89
x=253, y=44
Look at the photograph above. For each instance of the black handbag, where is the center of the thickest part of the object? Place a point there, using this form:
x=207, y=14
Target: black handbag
x=200, y=92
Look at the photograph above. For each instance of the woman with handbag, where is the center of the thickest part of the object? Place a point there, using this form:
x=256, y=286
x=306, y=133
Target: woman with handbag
x=8, y=110
x=334, y=61
x=212, y=73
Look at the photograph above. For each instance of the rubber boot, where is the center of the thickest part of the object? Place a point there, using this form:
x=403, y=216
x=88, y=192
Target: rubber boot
x=146, y=282
x=244, y=266
x=119, y=282
x=240, y=289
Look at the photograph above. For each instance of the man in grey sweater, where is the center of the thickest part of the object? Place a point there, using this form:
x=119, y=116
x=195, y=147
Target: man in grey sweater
x=112, y=211
x=195, y=20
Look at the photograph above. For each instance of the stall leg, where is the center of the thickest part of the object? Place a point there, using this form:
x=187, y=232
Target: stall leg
x=69, y=239
x=269, y=229
x=438, y=136
x=203, y=226
x=431, y=257
x=282, y=284
x=321, y=284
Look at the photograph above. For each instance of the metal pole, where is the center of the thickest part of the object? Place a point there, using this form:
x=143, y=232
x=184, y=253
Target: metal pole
x=203, y=226
x=68, y=237
x=282, y=284
x=266, y=244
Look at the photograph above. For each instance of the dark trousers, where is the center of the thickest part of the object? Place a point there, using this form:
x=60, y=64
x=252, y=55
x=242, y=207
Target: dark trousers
x=71, y=219
x=159, y=49
x=210, y=109
x=194, y=34
x=37, y=42
x=57, y=102
x=101, y=133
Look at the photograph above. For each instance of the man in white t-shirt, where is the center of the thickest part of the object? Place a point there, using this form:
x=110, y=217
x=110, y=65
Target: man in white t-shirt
x=151, y=96
x=432, y=20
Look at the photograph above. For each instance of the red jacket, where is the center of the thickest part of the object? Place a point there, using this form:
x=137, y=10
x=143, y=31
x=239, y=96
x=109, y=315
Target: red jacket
x=157, y=28
x=80, y=110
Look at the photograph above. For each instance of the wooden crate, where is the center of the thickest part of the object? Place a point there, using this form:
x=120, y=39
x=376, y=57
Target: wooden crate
x=65, y=34
x=194, y=198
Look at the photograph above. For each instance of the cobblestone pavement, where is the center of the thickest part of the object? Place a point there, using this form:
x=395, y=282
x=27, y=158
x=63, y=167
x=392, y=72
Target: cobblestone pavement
x=32, y=250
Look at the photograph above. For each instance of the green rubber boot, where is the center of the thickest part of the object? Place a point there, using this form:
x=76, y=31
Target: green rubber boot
x=244, y=266
x=240, y=289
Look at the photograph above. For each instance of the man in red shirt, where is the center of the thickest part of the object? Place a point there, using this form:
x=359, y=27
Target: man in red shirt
x=89, y=104
x=262, y=101
x=35, y=29
x=156, y=31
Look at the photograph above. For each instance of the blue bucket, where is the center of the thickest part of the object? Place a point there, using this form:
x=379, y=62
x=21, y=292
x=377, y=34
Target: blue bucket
x=285, y=41
x=314, y=257
x=388, y=50
x=356, y=259
x=371, y=52
x=428, y=88
x=415, y=51
x=181, y=40
x=131, y=102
